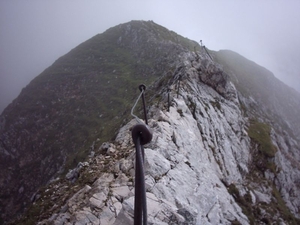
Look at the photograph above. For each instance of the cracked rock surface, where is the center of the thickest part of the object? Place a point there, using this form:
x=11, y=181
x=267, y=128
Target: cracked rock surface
x=197, y=165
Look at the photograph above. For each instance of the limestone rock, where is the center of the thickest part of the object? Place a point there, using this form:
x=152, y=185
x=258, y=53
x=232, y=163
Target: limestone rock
x=197, y=165
x=201, y=166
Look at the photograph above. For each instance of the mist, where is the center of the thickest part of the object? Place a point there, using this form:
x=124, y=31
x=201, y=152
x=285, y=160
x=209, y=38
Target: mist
x=36, y=33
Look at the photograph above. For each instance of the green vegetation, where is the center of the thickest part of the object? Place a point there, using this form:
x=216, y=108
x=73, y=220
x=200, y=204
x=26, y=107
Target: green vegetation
x=263, y=160
x=85, y=96
x=235, y=222
x=180, y=112
x=255, y=81
x=253, y=212
x=260, y=134
x=283, y=209
x=87, y=93
x=249, y=78
x=245, y=202
x=216, y=104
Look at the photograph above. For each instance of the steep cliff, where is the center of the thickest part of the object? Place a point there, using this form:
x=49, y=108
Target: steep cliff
x=205, y=165
x=272, y=97
x=81, y=99
x=217, y=155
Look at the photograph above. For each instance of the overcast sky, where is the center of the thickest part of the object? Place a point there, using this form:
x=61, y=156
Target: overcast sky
x=34, y=33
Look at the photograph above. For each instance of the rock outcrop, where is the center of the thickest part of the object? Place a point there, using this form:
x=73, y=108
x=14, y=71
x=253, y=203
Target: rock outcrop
x=84, y=96
x=200, y=166
x=216, y=157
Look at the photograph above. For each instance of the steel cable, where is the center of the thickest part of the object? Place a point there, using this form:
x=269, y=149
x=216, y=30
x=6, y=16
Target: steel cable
x=133, y=107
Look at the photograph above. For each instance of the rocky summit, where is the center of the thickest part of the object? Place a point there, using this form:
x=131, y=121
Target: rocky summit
x=78, y=102
x=225, y=146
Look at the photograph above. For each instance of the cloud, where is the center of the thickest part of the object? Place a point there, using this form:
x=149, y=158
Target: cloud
x=35, y=33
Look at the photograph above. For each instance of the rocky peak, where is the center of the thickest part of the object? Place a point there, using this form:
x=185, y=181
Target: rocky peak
x=81, y=99
x=272, y=97
x=213, y=159
x=202, y=166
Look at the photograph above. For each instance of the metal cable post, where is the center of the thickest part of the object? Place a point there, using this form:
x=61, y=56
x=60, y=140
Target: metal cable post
x=169, y=90
x=178, y=85
x=141, y=135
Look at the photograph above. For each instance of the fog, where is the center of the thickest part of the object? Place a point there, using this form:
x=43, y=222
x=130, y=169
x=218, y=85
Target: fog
x=33, y=34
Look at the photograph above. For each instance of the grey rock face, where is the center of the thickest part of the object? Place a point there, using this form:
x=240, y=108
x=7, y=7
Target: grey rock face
x=201, y=166
x=56, y=118
x=197, y=165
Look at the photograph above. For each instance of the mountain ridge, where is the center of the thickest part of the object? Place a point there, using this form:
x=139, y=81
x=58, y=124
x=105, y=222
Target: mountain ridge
x=58, y=115
x=124, y=53
x=270, y=93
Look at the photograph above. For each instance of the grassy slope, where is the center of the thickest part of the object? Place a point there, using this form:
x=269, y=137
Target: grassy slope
x=273, y=96
x=83, y=97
